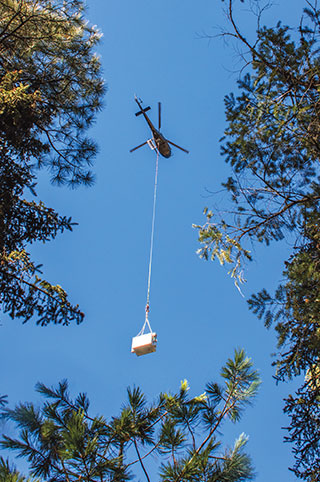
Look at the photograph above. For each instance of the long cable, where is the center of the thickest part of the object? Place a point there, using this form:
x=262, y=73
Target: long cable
x=152, y=229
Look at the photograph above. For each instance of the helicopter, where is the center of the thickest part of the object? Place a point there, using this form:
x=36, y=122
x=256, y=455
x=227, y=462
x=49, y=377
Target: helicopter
x=158, y=141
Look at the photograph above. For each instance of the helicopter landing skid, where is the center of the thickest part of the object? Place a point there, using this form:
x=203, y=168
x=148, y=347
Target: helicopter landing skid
x=151, y=144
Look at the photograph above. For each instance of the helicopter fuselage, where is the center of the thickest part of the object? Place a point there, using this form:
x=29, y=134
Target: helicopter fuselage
x=161, y=142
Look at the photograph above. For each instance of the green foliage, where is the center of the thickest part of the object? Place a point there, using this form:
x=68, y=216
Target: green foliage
x=10, y=474
x=50, y=92
x=295, y=311
x=47, y=53
x=304, y=429
x=62, y=441
x=271, y=143
x=295, y=307
x=217, y=243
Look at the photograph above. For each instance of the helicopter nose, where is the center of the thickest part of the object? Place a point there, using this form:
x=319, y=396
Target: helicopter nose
x=165, y=150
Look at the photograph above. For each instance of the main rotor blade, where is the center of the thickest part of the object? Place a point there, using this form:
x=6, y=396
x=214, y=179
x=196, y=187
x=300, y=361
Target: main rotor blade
x=175, y=145
x=138, y=147
x=159, y=115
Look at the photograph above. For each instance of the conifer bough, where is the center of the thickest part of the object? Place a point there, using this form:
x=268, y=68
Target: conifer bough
x=50, y=91
x=272, y=143
x=178, y=436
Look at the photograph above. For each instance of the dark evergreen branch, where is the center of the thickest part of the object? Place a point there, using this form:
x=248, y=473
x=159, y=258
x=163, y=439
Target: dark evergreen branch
x=140, y=460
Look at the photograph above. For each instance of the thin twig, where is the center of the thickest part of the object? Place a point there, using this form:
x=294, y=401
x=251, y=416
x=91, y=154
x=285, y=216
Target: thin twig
x=140, y=460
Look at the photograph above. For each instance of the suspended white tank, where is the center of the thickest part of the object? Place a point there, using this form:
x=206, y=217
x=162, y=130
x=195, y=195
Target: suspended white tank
x=144, y=343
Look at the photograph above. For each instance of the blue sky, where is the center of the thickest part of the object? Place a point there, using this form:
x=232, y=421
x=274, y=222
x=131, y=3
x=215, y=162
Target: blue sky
x=157, y=50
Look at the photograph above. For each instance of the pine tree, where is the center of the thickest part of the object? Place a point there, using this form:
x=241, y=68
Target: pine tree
x=272, y=145
x=61, y=440
x=10, y=474
x=50, y=91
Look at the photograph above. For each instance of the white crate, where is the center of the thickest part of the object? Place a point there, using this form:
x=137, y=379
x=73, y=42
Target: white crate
x=143, y=344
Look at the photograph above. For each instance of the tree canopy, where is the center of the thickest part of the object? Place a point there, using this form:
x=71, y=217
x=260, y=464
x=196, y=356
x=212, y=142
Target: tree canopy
x=51, y=88
x=272, y=144
x=62, y=440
